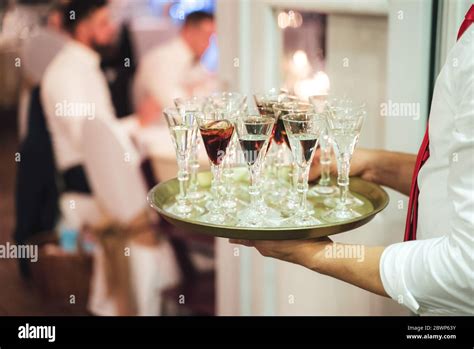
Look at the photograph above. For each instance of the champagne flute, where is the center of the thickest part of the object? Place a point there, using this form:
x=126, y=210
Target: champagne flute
x=344, y=126
x=333, y=200
x=192, y=105
x=303, y=130
x=253, y=132
x=183, y=131
x=324, y=186
x=216, y=134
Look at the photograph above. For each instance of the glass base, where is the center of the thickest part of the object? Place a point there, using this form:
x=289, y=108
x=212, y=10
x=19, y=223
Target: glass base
x=322, y=190
x=186, y=211
x=276, y=195
x=229, y=204
x=351, y=201
x=264, y=216
x=301, y=219
x=216, y=218
x=198, y=195
x=290, y=202
x=340, y=214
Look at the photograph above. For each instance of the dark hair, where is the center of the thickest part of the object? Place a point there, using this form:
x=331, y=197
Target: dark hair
x=196, y=17
x=76, y=11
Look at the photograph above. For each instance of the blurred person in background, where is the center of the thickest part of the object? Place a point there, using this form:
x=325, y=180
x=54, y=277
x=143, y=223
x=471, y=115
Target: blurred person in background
x=74, y=88
x=174, y=69
x=39, y=49
x=74, y=91
x=37, y=52
x=36, y=190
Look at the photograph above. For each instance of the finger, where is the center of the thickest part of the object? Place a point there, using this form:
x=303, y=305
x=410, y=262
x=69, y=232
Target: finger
x=247, y=243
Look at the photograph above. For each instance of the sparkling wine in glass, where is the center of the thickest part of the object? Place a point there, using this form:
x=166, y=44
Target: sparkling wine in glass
x=324, y=186
x=344, y=125
x=183, y=131
x=192, y=105
x=332, y=201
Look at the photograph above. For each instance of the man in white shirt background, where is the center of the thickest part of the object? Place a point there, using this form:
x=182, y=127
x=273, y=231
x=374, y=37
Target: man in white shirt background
x=433, y=275
x=74, y=88
x=174, y=69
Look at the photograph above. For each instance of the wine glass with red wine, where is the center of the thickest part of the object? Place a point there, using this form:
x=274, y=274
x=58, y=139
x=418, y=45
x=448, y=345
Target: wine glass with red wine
x=275, y=157
x=254, y=133
x=216, y=134
x=303, y=130
x=289, y=202
x=229, y=105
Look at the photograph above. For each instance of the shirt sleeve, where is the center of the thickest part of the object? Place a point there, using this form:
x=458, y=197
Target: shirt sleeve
x=436, y=276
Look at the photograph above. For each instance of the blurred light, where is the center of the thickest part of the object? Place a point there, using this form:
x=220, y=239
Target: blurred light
x=318, y=85
x=300, y=58
x=295, y=19
x=283, y=20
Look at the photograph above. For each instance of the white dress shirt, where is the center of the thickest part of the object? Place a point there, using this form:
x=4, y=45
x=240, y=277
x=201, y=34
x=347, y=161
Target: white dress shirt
x=171, y=71
x=73, y=90
x=435, y=274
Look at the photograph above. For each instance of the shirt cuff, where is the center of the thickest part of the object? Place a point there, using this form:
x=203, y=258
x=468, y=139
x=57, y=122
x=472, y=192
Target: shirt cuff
x=392, y=272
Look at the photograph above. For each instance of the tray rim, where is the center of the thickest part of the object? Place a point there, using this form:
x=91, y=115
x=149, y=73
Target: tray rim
x=199, y=227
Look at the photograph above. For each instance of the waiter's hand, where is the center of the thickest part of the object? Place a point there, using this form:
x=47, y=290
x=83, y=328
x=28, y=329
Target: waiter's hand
x=303, y=252
x=362, y=164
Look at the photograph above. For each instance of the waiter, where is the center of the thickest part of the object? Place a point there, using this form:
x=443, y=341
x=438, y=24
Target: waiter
x=74, y=89
x=173, y=70
x=432, y=272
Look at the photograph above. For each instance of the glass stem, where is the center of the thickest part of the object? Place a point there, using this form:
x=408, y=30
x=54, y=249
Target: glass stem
x=254, y=189
x=294, y=178
x=325, y=162
x=228, y=170
x=279, y=164
x=216, y=184
x=194, y=165
x=302, y=188
x=183, y=176
x=343, y=177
